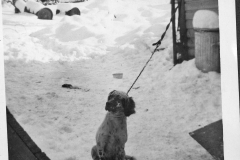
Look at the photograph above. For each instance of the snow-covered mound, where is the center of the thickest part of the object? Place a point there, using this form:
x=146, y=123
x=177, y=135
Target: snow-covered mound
x=34, y=6
x=92, y=33
x=64, y=7
x=8, y=7
x=20, y=4
x=206, y=19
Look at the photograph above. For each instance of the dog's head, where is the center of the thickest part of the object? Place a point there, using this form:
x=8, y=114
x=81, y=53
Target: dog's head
x=120, y=102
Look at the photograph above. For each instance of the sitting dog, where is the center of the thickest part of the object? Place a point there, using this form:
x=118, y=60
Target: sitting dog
x=112, y=134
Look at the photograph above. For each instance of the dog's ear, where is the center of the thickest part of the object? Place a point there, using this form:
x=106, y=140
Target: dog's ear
x=129, y=107
x=110, y=94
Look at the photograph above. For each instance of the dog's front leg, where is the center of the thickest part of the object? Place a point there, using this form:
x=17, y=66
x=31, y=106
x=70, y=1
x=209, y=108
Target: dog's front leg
x=101, y=154
x=102, y=143
x=97, y=154
x=120, y=153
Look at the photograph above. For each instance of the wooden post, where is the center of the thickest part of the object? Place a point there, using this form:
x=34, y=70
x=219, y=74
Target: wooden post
x=237, y=4
x=174, y=33
x=183, y=30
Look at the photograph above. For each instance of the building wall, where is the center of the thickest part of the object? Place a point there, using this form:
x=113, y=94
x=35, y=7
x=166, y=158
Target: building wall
x=191, y=6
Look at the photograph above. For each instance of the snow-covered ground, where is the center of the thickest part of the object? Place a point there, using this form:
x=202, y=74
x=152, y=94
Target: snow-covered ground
x=110, y=36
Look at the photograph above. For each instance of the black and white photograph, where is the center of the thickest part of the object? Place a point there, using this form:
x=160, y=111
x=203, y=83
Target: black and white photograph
x=117, y=80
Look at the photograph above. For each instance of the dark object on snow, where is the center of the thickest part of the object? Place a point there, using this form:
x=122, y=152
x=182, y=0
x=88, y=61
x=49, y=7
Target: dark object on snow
x=57, y=11
x=67, y=86
x=27, y=10
x=73, y=11
x=45, y=13
x=17, y=10
x=20, y=144
x=210, y=137
x=118, y=75
x=75, y=87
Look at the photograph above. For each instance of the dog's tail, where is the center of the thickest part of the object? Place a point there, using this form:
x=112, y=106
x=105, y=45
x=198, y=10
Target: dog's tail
x=129, y=157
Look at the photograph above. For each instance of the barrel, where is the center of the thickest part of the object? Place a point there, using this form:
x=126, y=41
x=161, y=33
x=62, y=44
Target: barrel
x=207, y=50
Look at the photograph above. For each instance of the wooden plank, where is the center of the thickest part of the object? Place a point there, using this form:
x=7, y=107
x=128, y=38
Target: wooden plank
x=22, y=134
x=183, y=31
x=17, y=150
x=204, y=4
x=191, y=42
x=191, y=52
x=189, y=24
x=237, y=5
x=174, y=32
x=190, y=14
x=25, y=140
x=190, y=33
x=210, y=137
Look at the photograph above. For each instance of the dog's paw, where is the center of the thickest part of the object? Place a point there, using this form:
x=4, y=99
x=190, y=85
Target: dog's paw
x=130, y=158
x=101, y=155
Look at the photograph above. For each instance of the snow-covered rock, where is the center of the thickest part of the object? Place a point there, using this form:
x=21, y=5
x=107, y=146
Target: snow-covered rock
x=206, y=19
x=33, y=6
x=20, y=4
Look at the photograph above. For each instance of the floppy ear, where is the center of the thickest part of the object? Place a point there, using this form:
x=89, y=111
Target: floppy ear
x=129, y=108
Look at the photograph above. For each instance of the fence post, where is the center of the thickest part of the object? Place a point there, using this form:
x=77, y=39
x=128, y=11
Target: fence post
x=174, y=33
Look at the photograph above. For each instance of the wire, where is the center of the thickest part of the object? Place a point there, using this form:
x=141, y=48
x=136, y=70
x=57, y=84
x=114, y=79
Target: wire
x=158, y=43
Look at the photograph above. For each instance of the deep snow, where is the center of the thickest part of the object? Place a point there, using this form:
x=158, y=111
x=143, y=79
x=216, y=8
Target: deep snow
x=110, y=36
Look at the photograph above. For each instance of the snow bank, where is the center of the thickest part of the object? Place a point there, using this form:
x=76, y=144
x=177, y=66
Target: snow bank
x=20, y=4
x=33, y=6
x=64, y=7
x=78, y=39
x=8, y=7
x=206, y=19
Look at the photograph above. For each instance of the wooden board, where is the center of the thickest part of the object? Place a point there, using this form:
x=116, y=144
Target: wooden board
x=202, y=4
x=191, y=42
x=20, y=144
x=183, y=32
x=190, y=14
x=16, y=148
x=190, y=33
x=210, y=137
x=191, y=52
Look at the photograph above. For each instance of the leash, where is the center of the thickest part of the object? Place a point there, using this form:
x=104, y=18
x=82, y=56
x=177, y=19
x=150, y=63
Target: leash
x=157, y=44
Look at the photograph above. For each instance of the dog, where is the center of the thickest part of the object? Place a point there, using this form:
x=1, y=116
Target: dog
x=112, y=134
